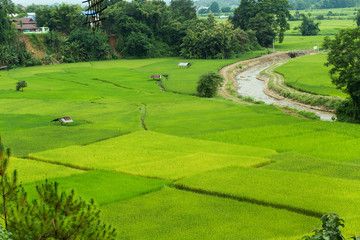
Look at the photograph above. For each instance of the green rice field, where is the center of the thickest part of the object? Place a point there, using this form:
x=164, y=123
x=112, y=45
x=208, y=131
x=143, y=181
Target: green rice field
x=314, y=75
x=170, y=165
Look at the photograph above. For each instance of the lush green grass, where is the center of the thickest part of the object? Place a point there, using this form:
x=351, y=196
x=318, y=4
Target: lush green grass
x=157, y=155
x=327, y=27
x=332, y=141
x=299, y=43
x=295, y=162
x=347, y=13
x=30, y=171
x=173, y=214
x=104, y=187
x=186, y=137
x=289, y=189
x=314, y=75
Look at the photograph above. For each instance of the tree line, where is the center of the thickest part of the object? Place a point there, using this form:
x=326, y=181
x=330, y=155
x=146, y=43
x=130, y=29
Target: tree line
x=150, y=29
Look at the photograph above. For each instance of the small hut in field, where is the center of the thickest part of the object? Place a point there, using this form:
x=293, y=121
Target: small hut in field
x=63, y=120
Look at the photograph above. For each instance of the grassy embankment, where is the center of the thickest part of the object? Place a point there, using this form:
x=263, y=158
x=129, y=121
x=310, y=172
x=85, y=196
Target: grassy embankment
x=134, y=171
x=313, y=78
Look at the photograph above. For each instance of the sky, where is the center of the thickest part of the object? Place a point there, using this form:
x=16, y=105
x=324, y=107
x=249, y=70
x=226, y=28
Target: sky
x=45, y=2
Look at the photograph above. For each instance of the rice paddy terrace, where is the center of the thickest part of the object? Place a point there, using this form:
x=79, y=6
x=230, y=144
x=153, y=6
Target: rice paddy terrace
x=170, y=165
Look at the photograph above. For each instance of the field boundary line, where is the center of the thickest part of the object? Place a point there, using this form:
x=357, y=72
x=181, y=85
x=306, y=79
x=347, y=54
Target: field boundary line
x=298, y=210
x=142, y=110
x=120, y=86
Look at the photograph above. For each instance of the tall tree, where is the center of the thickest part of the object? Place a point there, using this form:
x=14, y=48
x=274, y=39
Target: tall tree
x=343, y=58
x=278, y=9
x=308, y=27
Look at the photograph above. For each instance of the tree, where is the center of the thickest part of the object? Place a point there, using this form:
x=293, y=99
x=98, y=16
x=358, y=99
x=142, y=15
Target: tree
x=20, y=85
x=249, y=9
x=183, y=8
x=61, y=18
x=308, y=27
x=58, y=216
x=53, y=216
x=8, y=186
x=208, y=84
x=214, y=7
x=330, y=229
x=345, y=66
x=357, y=18
x=265, y=33
x=137, y=44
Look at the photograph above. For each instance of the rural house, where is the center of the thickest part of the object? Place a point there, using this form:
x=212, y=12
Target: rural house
x=28, y=25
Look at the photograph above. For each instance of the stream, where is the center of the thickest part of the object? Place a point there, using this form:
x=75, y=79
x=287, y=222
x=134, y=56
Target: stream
x=250, y=86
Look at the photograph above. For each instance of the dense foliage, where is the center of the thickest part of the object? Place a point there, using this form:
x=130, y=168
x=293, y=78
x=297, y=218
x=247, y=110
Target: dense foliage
x=62, y=18
x=267, y=18
x=153, y=29
x=211, y=40
x=208, y=84
x=345, y=67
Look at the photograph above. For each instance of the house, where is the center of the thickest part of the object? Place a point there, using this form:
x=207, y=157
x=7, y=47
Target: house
x=223, y=17
x=28, y=25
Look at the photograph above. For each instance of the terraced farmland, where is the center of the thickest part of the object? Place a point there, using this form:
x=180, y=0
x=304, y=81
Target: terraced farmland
x=170, y=165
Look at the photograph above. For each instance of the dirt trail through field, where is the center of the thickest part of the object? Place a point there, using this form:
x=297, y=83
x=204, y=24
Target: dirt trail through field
x=244, y=78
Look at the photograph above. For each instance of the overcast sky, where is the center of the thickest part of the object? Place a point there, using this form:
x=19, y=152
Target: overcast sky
x=45, y=2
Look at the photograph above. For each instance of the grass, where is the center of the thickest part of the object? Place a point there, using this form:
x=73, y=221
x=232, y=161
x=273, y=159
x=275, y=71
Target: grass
x=187, y=137
x=288, y=189
x=30, y=171
x=157, y=155
x=294, y=162
x=95, y=185
x=299, y=43
x=314, y=77
x=173, y=214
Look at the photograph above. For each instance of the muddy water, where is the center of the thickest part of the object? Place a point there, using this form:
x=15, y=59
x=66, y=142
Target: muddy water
x=250, y=86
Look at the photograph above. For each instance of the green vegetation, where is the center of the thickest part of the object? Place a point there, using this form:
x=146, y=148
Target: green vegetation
x=172, y=214
x=308, y=194
x=343, y=59
x=314, y=75
x=189, y=141
x=208, y=84
x=157, y=155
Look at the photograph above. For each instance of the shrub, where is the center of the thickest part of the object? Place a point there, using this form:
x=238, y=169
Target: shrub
x=20, y=85
x=347, y=112
x=208, y=84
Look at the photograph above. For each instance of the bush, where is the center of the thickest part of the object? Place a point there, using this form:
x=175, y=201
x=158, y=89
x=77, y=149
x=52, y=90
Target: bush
x=208, y=84
x=347, y=112
x=20, y=85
